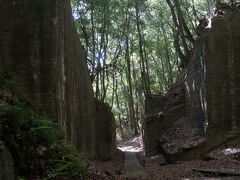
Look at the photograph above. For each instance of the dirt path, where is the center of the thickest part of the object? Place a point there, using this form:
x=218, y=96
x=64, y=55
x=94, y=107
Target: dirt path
x=131, y=163
x=132, y=169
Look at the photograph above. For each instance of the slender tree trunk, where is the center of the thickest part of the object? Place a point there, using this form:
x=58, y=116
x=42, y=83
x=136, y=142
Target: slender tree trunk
x=130, y=94
x=146, y=86
x=119, y=109
x=167, y=54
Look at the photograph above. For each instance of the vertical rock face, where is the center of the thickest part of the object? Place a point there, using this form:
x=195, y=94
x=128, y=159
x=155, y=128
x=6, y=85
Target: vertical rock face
x=195, y=87
x=212, y=85
x=223, y=75
x=152, y=128
x=40, y=49
x=105, y=131
x=210, y=100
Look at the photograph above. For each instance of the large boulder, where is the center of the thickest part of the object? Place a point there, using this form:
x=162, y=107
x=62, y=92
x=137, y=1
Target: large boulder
x=152, y=123
x=160, y=113
x=178, y=140
x=105, y=131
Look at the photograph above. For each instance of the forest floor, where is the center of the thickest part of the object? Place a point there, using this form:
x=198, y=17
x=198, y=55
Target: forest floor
x=222, y=163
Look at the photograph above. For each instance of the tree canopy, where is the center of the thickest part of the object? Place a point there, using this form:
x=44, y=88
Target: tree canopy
x=136, y=48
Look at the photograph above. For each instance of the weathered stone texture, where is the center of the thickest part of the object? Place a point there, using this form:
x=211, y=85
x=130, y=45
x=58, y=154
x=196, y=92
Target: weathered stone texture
x=223, y=75
x=40, y=49
x=105, y=131
x=195, y=87
x=216, y=96
x=213, y=89
x=161, y=112
x=152, y=123
x=212, y=94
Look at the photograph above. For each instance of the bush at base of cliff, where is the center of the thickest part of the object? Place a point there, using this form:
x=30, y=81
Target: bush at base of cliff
x=39, y=152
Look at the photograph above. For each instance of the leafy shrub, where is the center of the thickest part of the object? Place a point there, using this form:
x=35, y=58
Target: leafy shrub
x=44, y=129
x=6, y=82
x=15, y=113
x=37, y=148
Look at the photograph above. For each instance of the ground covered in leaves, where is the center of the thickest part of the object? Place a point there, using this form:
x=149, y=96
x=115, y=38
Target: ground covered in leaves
x=221, y=162
x=107, y=169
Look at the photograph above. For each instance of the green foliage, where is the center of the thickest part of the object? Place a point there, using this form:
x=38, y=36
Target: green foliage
x=64, y=161
x=68, y=163
x=37, y=148
x=20, y=178
x=6, y=82
x=15, y=113
x=112, y=34
x=44, y=129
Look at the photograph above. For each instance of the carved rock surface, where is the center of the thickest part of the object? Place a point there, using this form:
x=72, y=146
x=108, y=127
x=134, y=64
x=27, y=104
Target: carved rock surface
x=105, y=131
x=213, y=102
x=210, y=99
x=161, y=112
x=212, y=90
x=223, y=75
x=40, y=50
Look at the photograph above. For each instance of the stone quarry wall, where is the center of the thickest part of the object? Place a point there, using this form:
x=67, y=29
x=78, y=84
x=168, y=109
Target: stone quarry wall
x=195, y=87
x=216, y=99
x=105, y=131
x=210, y=100
x=152, y=123
x=223, y=75
x=40, y=49
x=212, y=86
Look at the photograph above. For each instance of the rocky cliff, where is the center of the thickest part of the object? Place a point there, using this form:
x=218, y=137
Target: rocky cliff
x=105, y=131
x=209, y=103
x=40, y=50
x=214, y=87
x=223, y=75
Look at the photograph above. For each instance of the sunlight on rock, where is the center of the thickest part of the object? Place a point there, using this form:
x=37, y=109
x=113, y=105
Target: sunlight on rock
x=130, y=145
x=229, y=151
x=130, y=149
x=135, y=140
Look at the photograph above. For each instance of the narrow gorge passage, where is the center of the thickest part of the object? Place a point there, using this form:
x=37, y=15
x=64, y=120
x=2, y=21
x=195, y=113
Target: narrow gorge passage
x=132, y=167
x=119, y=89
